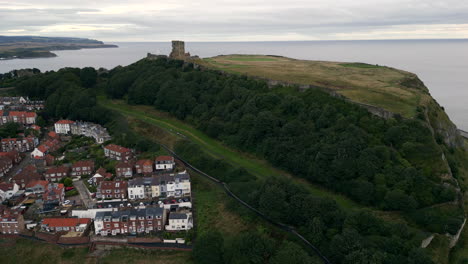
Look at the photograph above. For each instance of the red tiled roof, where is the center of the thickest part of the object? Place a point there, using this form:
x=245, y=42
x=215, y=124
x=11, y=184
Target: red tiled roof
x=65, y=222
x=84, y=163
x=164, y=158
x=37, y=182
x=65, y=122
x=13, y=155
x=124, y=165
x=60, y=169
x=42, y=148
x=145, y=162
x=52, y=134
x=117, y=148
x=6, y=186
x=22, y=113
x=101, y=171
x=36, y=127
x=113, y=185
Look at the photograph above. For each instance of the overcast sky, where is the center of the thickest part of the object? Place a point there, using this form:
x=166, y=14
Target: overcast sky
x=236, y=20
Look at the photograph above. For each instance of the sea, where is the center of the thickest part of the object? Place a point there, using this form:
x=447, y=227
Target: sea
x=441, y=64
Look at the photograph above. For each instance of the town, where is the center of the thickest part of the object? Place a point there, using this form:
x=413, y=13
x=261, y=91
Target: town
x=69, y=184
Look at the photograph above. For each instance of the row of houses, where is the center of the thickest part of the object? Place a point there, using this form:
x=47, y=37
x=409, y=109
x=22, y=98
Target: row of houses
x=20, y=103
x=79, y=128
x=20, y=144
x=146, y=166
x=165, y=185
x=11, y=220
x=19, y=117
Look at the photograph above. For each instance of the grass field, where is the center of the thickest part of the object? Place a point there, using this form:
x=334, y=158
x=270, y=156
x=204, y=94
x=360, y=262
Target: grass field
x=136, y=256
x=365, y=83
x=32, y=252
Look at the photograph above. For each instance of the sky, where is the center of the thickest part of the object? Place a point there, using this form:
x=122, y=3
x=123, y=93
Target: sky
x=236, y=20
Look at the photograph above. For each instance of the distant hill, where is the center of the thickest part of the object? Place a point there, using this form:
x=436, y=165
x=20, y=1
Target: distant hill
x=22, y=47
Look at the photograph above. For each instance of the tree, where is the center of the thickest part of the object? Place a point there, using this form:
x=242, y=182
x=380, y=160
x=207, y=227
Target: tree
x=68, y=182
x=291, y=253
x=88, y=77
x=209, y=248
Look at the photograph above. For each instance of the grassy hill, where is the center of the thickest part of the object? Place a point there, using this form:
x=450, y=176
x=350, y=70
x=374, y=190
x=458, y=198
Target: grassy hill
x=395, y=90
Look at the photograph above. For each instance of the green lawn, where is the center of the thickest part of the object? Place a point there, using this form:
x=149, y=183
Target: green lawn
x=257, y=167
x=26, y=251
x=136, y=256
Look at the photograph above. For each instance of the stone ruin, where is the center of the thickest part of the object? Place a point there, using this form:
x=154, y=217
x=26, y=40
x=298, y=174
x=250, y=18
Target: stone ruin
x=177, y=53
x=178, y=50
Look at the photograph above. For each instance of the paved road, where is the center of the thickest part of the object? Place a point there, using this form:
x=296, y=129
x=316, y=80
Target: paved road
x=84, y=194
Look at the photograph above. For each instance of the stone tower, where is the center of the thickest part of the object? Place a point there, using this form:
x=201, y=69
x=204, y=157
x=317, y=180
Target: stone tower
x=178, y=50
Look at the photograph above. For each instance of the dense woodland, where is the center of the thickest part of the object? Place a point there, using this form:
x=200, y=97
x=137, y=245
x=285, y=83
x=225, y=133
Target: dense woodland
x=385, y=164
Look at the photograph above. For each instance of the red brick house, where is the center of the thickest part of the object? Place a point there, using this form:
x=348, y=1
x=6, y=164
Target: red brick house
x=5, y=165
x=55, y=174
x=112, y=190
x=38, y=186
x=26, y=175
x=133, y=221
x=66, y=224
x=116, y=152
x=124, y=169
x=23, y=144
x=13, y=155
x=144, y=166
x=49, y=159
x=11, y=220
x=82, y=167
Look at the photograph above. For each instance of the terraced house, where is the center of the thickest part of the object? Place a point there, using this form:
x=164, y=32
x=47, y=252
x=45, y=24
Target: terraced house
x=164, y=163
x=134, y=221
x=55, y=174
x=166, y=185
x=11, y=220
x=19, y=144
x=19, y=117
x=82, y=167
x=117, y=152
x=124, y=169
x=112, y=190
x=144, y=166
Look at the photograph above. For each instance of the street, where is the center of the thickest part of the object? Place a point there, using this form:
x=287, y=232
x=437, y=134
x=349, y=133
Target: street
x=84, y=193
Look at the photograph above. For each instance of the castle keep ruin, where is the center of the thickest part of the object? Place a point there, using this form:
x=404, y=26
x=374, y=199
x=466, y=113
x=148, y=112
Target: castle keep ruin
x=177, y=53
x=178, y=50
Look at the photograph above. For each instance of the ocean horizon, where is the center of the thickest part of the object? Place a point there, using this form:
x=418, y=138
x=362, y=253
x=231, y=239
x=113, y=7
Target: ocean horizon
x=440, y=63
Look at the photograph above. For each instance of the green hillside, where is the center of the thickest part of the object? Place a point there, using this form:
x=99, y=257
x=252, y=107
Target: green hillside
x=357, y=186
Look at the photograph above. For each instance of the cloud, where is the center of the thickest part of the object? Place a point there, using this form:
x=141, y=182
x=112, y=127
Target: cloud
x=228, y=20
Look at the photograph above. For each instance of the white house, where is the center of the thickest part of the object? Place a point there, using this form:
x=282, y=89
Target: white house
x=7, y=190
x=136, y=191
x=164, y=163
x=180, y=221
x=39, y=152
x=63, y=126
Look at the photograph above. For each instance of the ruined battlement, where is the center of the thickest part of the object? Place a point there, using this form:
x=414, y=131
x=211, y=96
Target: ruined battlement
x=178, y=50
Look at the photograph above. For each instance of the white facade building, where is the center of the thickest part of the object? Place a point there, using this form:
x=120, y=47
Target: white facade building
x=63, y=126
x=180, y=221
